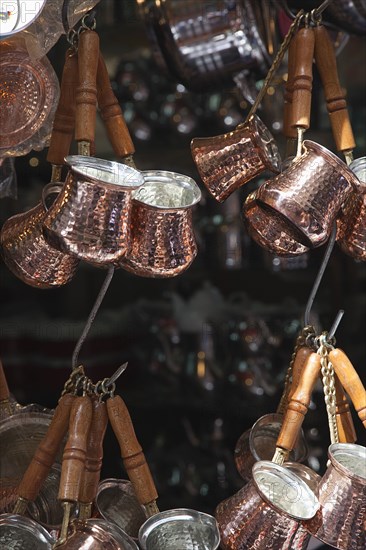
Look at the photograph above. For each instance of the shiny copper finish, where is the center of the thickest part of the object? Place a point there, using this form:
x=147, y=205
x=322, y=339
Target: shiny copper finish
x=309, y=194
x=265, y=513
x=91, y=217
x=29, y=256
x=259, y=443
x=340, y=522
x=268, y=229
x=228, y=161
x=97, y=534
x=351, y=236
x=162, y=237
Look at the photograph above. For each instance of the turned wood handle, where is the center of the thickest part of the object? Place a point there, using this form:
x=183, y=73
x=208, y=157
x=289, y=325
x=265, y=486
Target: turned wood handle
x=345, y=426
x=46, y=452
x=299, y=403
x=133, y=458
x=325, y=60
x=289, y=130
x=301, y=358
x=73, y=460
x=303, y=78
x=4, y=388
x=94, y=453
x=86, y=92
x=64, y=121
x=350, y=381
x=111, y=113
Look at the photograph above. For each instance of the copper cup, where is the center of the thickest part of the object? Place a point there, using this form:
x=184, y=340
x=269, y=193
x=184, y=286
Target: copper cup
x=351, y=235
x=266, y=512
x=340, y=521
x=268, y=229
x=259, y=443
x=162, y=238
x=228, y=161
x=28, y=255
x=309, y=194
x=91, y=217
x=97, y=534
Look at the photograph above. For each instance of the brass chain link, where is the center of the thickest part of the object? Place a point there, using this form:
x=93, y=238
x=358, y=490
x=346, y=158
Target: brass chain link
x=328, y=379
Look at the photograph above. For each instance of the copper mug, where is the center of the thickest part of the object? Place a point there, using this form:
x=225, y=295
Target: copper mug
x=23, y=533
x=228, y=161
x=96, y=534
x=259, y=443
x=266, y=513
x=340, y=521
x=309, y=194
x=162, y=237
x=91, y=217
x=351, y=235
x=26, y=252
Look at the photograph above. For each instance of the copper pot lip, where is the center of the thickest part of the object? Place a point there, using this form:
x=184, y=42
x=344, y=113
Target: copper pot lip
x=272, y=161
x=352, y=449
x=96, y=170
x=43, y=417
x=286, y=474
x=357, y=166
x=178, y=514
x=105, y=528
x=164, y=176
x=29, y=525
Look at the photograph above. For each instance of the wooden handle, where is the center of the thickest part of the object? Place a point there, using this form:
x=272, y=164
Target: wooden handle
x=345, y=426
x=303, y=78
x=73, y=460
x=86, y=92
x=299, y=403
x=112, y=115
x=325, y=60
x=45, y=455
x=4, y=388
x=301, y=358
x=350, y=381
x=94, y=453
x=288, y=129
x=64, y=122
x=133, y=458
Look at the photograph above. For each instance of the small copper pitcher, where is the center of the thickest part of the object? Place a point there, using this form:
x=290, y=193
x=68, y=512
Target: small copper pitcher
x=309, y=194
x=26, y=252
x=340, y=521
x=91, y=217
x=228, y=161
x=162, y=237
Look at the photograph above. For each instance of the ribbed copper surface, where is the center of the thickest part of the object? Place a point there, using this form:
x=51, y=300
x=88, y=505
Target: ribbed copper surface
x=28, y=255
x=91, y=217
x=310, y=193
x=351, y=236
x=268, y=229
x=228, y=161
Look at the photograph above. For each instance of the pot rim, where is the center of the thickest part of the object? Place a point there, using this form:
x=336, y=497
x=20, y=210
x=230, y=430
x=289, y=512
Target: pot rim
x=27, y=524
x=332, y=453
x=99, y=171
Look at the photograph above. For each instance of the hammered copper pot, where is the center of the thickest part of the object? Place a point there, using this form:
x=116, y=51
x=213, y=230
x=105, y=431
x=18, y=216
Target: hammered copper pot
x=22, y=533
x=341, y=519
x=351, y=236
x=28, y=255
x=97, y=534
x=309, y=194
x=91, y=217
x=163, y=243
x=266, y=513
x=228, y=161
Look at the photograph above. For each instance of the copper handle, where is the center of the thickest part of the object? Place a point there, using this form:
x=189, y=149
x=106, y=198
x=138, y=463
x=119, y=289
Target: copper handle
x=303, y=78
x=133, y=458
x=326, y=63
x=94, y=453
x=112, y=115
x=45, y=455
x=73, y=460
x=4, y=388
x=64, y=122
x=289, y=130
x=350, y=381
x=86, y=92
x=345, y=426
x=299, y=403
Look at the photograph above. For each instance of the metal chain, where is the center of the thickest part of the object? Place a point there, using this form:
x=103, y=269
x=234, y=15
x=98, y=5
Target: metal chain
x=328, y=379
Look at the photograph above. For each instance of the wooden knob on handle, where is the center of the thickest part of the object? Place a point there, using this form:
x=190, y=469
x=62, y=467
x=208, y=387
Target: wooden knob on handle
x=86, y=92
x=299, y=403
x=133, y=458
x=326, y=63
x=4, y=388
x=45, y=455
x=112, y=115
x=345, y=426
x=64, y=121
x=350, y=381
x=289, y=130
x=303, y=78
x=74, y=456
